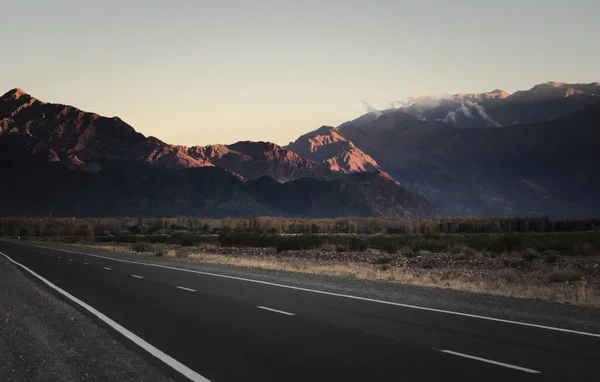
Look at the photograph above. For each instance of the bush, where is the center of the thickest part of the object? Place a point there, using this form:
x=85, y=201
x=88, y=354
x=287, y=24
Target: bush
x=530, y=254
x=551, y=256
x=142, y=247
x=508, y=275
x=340, y=248
x=382, y=260
x=513, y=263
x=389, y=247
x=565, y=275
x=298, y=243
x=357, y=245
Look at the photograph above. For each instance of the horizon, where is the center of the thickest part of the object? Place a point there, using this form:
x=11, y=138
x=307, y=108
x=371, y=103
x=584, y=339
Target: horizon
x=366, y=106
x=210, y=72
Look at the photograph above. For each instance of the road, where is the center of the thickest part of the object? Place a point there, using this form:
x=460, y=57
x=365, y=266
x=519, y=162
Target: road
x=209, y=326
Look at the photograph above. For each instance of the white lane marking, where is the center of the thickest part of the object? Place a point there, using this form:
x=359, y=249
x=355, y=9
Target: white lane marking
x=184, y=288
x=107, y=268
x=178, y=366
x=340, y=295
x=492, y=362
x=70, y=259
x=59, y=257
x=276, y=311
x=86, y=263
x=137, y=277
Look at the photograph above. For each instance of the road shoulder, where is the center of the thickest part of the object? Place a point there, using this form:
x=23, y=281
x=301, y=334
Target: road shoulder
x=43, y=338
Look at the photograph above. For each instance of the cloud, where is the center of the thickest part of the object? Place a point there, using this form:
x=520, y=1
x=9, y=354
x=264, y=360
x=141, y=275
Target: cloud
x=451, y=116
x=465, y=110
x=371, y=109
x=481, y=110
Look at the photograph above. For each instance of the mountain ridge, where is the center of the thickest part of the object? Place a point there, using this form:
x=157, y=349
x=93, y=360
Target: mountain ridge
x=101, y=166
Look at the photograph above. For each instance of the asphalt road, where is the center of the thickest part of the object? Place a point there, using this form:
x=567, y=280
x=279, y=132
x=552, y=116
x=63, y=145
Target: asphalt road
x=223, y=328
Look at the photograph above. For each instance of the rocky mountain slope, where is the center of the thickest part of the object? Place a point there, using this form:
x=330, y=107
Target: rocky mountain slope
x=253, y=160
x=498, y=108
x=540, y=168
x=326, y=145
x=88, y=165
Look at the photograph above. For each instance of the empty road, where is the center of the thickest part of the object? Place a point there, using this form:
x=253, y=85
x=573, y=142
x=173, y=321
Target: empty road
x=214, y=326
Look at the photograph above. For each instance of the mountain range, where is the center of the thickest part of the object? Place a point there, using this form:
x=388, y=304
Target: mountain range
x=532, y=152
x=57, y=158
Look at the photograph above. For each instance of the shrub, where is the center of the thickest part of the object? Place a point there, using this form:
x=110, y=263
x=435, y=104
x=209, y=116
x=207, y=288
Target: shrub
x=142, y=247
x=530, y=254
x=565, y=275
x=298, y=243
x=513, y=263
x=389, y=247
x=340, y=248
x=357, y=245
x=508, y=275
x=551, y=256
x=382, y=260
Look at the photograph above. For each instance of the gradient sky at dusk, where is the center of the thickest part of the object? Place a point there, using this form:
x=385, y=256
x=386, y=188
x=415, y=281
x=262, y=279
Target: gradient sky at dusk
x=219, y=71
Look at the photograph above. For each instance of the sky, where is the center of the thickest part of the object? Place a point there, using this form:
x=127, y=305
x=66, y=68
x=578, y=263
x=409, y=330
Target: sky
x=218, y=71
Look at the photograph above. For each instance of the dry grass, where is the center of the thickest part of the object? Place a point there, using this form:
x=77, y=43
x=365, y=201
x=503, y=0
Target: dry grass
x=507, y=282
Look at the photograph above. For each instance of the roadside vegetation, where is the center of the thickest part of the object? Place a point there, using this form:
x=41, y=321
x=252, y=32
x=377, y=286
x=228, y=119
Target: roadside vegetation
x=556, y=260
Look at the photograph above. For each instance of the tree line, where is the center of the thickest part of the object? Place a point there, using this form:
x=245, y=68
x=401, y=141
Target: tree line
x=50, y=226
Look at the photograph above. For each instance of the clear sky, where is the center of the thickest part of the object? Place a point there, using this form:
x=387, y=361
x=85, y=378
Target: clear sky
x=218, y=71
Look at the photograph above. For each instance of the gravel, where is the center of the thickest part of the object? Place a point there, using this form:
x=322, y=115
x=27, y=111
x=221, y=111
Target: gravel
x=43, y=338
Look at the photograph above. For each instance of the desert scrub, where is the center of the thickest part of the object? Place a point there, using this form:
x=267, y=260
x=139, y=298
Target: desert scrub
x=565, y=275
x=142, y=247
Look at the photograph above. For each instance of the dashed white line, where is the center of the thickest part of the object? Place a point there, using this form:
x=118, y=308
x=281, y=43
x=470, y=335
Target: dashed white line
x=85, y=263
x=173, y=363
x=526, y=370
x=360, y=298
x=276, y=311
x=70, y=259
x=59, y=257
x=184, y=288
x=137, y=277
x=107, y=268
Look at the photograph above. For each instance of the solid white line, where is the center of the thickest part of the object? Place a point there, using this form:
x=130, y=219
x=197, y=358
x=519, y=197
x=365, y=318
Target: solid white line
x=137, y=277
x=178, y=366
x=338, y=294
x=492, y=362
x=276, y=311
x=184, y=288
x=108, y=269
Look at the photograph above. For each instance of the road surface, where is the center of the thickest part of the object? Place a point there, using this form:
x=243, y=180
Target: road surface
x=218, y=327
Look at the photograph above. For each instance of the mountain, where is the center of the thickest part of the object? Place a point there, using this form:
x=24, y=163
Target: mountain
x=253, y=160
x=547, y=167
x=56, y=158
x=83, y=140
x=326, y=145
x=497, y=108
